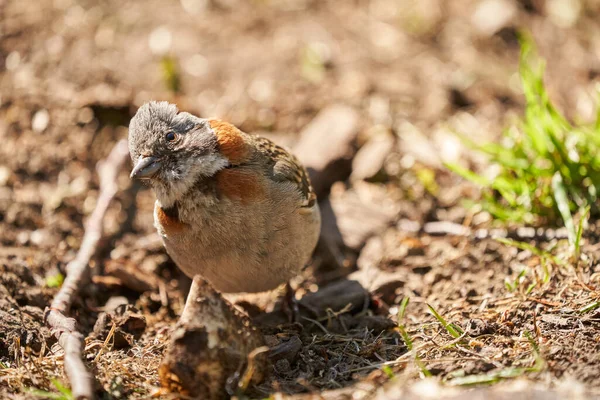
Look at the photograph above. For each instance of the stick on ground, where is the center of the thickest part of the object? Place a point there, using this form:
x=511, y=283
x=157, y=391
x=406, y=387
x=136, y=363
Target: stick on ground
x=65, y=328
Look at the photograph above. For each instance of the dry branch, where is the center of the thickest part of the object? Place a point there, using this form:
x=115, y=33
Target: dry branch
x=65, y=328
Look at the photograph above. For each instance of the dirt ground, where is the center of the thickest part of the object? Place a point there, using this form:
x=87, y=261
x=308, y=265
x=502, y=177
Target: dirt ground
x=72, y=73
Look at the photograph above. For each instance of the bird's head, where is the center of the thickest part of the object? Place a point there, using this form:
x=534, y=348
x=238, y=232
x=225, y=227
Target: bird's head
x=172, y=150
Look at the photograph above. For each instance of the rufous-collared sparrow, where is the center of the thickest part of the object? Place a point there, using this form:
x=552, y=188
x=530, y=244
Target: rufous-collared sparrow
x=235, y=208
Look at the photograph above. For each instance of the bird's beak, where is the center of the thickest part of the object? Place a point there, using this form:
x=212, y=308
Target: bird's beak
x=145, y=168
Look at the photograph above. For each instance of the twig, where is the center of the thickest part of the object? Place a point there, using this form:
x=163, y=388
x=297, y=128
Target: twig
x=65, y=329
x=247, y=376
x=106, y=341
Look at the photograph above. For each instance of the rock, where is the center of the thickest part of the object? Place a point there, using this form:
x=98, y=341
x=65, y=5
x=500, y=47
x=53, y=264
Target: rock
x=349, y=218
x=376, y=323
x=415, y=144
x=331, y=249
x=492, y=15
x=5, y=174
x=360, y=212
x=327, y=145
x=40, y=120
x=43, y=238
x=286, y=350
x=381, y=283
x=442, y=228
x=160, y=40
x=337, y=296
x=129, y=324
x=114, y=302
x=557, y=320
x=519, y=389
x=210, y=347
x=564, y=13
x=371, y=255
x=370, y=158
x=131, y=276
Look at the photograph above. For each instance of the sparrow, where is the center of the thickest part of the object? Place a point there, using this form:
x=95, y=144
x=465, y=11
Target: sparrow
x=235, y=208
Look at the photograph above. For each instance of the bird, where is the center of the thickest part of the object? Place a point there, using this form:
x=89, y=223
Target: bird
x=233, y=207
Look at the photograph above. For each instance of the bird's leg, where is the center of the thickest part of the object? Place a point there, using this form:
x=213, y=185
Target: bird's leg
x=290, y=304
x=191, y=299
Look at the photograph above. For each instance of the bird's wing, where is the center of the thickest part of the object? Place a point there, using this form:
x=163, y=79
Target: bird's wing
x=287, y=168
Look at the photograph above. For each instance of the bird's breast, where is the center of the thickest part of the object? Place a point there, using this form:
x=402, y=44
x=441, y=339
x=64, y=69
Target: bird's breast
x=167, y=220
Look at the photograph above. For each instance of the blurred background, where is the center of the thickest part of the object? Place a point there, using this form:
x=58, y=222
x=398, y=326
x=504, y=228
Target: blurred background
x=397, y=79
x=413, y=72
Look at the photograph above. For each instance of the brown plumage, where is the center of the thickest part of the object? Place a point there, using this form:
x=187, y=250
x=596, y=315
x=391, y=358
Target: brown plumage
x=231, y=142
x=233, y=207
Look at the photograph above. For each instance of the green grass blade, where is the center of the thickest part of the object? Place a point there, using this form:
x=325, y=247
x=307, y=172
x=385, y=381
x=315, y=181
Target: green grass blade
x=468, y=174
x=532, y=342
x=402, y=308
x=545, y=269
x=62, y=388
x=409, y=345
x=471, y=380
x=407, y=340
x=421, y=365
x=452, y=329
x=47, y=395
x=534, y=250
x=589, y=307
x=562, y=202
x=388, y=371
x=582, y=222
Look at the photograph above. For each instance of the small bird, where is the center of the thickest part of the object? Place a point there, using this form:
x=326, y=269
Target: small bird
x=235, y=208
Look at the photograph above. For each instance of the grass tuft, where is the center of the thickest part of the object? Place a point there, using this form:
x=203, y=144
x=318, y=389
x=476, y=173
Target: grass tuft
x=546, y=168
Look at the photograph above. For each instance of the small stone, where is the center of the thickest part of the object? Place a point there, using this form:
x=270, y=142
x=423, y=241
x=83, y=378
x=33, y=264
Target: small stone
x=40, y=120
x=372, y=155
x=160, y=40
x=360, y=213
x=194, y=7
x=564, y=13
x=85, y=115
x=327, y=145
x=39, y=237
x=261, y=90
x=492, y=15
x=12, y=61
x=4, y=175
x=23, y=237
x=197, y=65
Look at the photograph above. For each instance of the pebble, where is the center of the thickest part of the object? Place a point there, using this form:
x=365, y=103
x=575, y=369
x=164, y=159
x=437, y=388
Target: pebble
x=160, y=40
x=4, y=175
x=492, y=15
x=40, y=120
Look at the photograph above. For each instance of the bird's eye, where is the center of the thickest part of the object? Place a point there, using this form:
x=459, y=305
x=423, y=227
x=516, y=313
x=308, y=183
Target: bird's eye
x=171, y=136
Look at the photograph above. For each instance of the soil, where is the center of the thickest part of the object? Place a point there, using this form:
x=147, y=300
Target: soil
x=73, y=73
